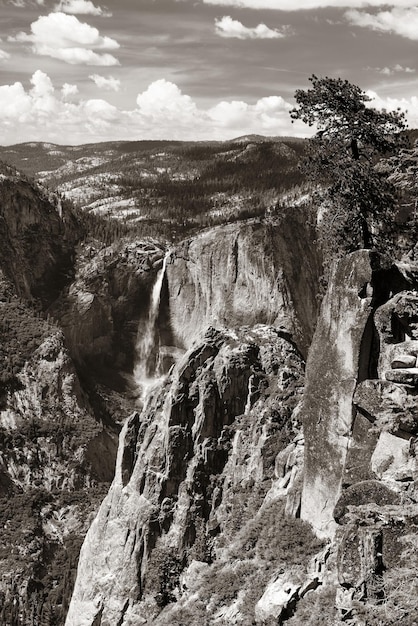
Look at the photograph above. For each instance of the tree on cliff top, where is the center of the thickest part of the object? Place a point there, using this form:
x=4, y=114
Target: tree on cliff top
x=404, y=172
x=350, y=138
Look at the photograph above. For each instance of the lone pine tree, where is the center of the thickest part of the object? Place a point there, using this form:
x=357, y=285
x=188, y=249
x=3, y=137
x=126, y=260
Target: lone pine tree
x=341, y=158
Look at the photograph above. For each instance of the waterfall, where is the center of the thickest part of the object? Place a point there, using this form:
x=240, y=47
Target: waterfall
x=146, y=369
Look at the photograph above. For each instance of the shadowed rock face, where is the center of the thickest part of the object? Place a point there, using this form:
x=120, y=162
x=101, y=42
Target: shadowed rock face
x=37, y=239
x=244, y=274
x=103, y=307
x=209, y=432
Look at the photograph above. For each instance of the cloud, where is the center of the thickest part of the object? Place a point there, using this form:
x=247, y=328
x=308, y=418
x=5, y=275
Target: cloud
x=161, y=111
x=21, y=4
x=395, y=69
x=269, y=114
x=227, y=27
x=80, y=7
x=163, y=98
x=4, y=55
x=108, y=84
x=43, y=112
x=69, y=91
x=407, y=105
x=64, y=37
x=297, y=5
x=401, y=21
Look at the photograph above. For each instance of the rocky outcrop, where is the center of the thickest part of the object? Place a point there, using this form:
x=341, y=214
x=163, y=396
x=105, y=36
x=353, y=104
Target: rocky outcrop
x=49, y=413
x=376, y=557
x=244, y=274
x=210, y=434
x=360, y=428
x=345, y=351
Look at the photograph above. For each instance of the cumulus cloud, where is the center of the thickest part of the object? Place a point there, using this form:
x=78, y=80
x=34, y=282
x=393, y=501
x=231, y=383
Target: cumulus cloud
x=164, y=99
x=21, y=4
x=80, y=7
x=297, y=5
x=69, y=91
x=42, y=112
x=227, y=27
x=407, y=105
x=4, y=55
x=269, y=114
x=401, y=21
x=64, y=37
x=162, y=111
x=108, y=84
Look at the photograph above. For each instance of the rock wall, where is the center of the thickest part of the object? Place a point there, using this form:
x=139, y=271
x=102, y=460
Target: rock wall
x=54, y=459
x=191, y=469
x=344, y=351
x=37, y=237
x=55, y=455
x=246, y=273
x=360, y=428
x=102, y=308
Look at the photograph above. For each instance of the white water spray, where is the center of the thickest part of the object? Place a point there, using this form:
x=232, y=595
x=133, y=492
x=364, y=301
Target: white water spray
x=146, y=369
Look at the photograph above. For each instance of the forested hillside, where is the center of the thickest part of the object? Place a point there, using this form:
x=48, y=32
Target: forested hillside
x=168, y=189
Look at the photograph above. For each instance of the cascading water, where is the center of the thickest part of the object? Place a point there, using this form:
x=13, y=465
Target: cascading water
x=146, y=372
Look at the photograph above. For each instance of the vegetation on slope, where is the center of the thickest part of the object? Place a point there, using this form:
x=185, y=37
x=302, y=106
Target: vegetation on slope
x=167, y=190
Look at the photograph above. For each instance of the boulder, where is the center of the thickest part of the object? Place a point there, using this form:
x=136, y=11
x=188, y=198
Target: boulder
x=279, y=595
x=394, y=460
x=403, y=376
x=364, y=493
x=396, y=324
x=404, y=361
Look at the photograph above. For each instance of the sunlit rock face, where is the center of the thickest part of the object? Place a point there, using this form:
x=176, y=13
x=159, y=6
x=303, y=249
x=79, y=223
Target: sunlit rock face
x=344, y=352
x=243, y=274
x=210, y=433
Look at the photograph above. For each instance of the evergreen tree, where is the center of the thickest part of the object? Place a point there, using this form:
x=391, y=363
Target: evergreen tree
x=351, y=136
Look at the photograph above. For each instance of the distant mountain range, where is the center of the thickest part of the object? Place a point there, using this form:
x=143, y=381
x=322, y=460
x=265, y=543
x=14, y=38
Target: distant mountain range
x=174, y=184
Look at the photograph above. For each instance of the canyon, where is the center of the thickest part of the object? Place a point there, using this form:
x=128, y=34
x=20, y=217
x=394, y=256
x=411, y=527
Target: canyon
x=228, y=437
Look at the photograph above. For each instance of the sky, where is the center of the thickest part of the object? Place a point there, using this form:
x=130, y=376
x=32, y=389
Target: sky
x=81, y=71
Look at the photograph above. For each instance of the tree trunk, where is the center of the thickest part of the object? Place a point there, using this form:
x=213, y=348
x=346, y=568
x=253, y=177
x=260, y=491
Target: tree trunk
x=354, y=149
x=366, y=234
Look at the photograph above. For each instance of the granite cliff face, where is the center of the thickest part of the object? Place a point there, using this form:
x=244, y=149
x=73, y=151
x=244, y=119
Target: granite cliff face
x=225, y=429
x=247, y=273
x=104, y=305
x=213, y=431
x=354, y=334
x=202, y=450
x=360, y=426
